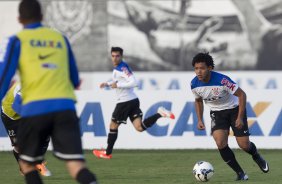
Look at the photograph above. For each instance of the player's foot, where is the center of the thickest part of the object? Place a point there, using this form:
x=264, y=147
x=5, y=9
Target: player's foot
x=101, y=154
x=42, y=169
x=263, y=165
x=165, y=113
x=242, y=176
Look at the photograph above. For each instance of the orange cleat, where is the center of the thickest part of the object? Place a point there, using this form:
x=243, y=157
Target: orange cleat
x=101, y=154
x=42, y=169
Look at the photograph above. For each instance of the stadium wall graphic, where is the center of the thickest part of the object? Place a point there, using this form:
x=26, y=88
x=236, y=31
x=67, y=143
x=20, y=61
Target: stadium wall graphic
x=95, y=107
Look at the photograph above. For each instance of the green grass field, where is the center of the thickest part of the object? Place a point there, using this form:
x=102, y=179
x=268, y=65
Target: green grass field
x=152, y=167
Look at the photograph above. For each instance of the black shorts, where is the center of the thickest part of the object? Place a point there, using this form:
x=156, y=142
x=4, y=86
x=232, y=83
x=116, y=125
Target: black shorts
x=11, y=127
x=124, y=110
x=225, y=119
x=64, y=130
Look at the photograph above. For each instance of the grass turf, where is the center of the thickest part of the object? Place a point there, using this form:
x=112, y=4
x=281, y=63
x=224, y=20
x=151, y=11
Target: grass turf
x=152, y=167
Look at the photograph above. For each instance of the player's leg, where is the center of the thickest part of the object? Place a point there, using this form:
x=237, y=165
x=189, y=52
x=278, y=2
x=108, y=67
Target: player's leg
x=30, y=138
x=11, y=127
x=119, y=116
x=65, y=130
x=242, y=138
x=112, y=137
x=140, y=125
x=220, y=133
x=42, y=168
x=136, y=116
x=221, y=139
x=78, y=171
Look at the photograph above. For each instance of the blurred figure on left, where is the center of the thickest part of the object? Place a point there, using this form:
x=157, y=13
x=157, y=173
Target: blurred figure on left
x=11, y=119
x=48, y=75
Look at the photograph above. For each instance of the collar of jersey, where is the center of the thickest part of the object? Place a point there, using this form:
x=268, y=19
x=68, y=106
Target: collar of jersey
x=33, y=25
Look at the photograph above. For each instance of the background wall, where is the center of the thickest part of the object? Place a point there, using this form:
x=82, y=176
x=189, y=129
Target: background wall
x=160, y=35
x=172, y=90
x=160, y=39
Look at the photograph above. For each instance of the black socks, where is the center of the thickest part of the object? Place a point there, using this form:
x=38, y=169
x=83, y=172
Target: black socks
x=84, y=176
x=229, y=157
x=150, y=121
x=112, y=137
x=33, y=178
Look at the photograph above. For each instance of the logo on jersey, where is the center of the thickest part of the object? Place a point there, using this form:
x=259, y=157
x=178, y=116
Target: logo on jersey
x=228, y=84
x=42, y=57
x=49, y=65
x=126, y=71
x=215, y=91
x=46, y=43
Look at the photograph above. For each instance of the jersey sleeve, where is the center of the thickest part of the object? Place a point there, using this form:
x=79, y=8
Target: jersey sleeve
x=195, y=94
x=9, y=59
x=229, y=85
x=74, y=77
x=194, y=91
x=130, y=80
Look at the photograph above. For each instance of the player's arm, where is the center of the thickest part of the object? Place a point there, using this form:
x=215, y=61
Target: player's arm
x=106, y=84
x=9, y=59
x=130, y=81
x=199, y=107
x=242, y=106
x=74, y=77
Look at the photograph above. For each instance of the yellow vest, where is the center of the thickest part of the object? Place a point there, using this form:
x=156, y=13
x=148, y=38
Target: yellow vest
x=44, y=65
x=9, y=100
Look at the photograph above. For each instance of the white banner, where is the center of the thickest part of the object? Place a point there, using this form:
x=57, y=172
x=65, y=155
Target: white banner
x=263, y=107
x=95, y=107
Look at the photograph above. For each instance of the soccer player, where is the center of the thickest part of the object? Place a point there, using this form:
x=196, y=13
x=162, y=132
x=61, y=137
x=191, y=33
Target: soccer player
x=48, y=74
x=11, y=120
x=127, y=103
x=227, y=102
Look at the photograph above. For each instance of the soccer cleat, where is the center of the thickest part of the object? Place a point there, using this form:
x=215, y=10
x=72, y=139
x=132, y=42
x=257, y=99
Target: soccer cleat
x=101, y=154
x=42, y=169
x=263, y=165
x=242, y=176
x=165, y=113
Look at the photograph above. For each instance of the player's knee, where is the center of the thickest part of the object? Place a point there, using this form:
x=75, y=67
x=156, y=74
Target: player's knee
x=139, y=128
x=114, y=125
x=221, y=144
x=244, y=146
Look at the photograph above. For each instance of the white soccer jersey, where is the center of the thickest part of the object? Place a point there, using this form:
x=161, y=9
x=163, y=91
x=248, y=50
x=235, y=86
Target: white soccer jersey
x=126, y=82
x=217, y=93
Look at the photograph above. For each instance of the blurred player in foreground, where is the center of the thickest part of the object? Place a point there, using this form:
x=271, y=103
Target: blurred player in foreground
x=128, y=104
x=11, y=120
x=48, y=75
x=227, y=102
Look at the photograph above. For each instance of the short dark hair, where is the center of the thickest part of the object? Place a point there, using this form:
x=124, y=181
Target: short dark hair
x=203, y=58
x=30, y=10
x=117, y=49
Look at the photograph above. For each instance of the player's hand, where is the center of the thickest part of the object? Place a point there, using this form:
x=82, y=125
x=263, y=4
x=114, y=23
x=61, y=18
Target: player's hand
x=114, y=85
x=201, y=125
x=104, y=84
x=239, y=123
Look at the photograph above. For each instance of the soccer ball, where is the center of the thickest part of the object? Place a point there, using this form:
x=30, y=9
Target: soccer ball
x=203, y=171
